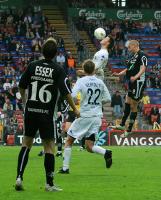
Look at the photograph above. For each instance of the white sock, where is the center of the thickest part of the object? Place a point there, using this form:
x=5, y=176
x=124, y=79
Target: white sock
x=67, y=156
x=98, y=149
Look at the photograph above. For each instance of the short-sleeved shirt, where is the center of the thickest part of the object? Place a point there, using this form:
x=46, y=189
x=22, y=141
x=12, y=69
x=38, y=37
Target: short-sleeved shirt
x=93, y=92
x=134, y=64
x=44, y=80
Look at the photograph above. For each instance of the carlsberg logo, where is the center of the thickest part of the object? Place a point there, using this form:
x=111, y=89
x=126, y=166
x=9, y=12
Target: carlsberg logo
x=91, y=14
x=133, y=15
x=157, y=14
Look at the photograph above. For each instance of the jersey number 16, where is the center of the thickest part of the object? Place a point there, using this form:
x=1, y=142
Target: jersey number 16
x=42, y=93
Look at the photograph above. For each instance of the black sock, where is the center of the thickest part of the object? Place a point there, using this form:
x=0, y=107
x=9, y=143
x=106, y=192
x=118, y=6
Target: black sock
x=83, y=142
x=126, y=114
x=22, y=161
x=49, y=164
x=59, y=142
x=133, y=116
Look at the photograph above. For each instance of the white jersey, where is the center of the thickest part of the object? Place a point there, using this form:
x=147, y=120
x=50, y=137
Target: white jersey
x=93, y=92
x=100, y=58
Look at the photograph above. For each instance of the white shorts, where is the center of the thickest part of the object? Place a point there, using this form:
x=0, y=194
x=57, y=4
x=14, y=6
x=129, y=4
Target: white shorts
x=84, y=127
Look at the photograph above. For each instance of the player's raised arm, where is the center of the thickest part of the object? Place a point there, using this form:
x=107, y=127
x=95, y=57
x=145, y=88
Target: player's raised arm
x=120, y=74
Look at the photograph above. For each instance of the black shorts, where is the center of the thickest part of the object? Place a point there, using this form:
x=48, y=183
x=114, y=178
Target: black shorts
x=71, y=116
x=58, y=129
x=135, y=90
x=34, y=122
x=91, y=137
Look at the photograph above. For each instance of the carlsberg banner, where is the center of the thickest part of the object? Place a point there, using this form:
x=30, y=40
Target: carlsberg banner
x=116, y=14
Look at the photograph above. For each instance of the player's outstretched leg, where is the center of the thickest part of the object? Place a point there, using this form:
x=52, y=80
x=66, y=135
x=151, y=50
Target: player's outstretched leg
x=125, y=134
x=106, y=153
x=133, y=116
x=124, y=118
x=108, y=158
x=97, y=149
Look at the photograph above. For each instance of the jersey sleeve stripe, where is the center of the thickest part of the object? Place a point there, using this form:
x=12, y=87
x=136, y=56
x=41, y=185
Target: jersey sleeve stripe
x=144, y=61
x=65, y=81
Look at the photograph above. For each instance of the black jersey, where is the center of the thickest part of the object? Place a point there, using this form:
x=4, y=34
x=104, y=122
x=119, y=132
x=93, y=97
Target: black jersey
x=44, y=79
x=63, y=105
x=134, y=64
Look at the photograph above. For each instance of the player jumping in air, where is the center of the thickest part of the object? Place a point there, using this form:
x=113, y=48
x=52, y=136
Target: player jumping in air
x=135, y=74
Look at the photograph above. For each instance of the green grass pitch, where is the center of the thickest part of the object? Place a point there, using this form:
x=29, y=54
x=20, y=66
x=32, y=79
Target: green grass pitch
x=135, y=175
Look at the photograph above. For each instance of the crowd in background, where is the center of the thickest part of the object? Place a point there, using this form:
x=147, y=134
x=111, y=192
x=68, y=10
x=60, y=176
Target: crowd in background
x=114, y=4
x=22, y=33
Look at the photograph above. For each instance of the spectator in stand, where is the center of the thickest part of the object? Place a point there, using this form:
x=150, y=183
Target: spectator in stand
x=81, y=21
x=71, y=66
x=147, y=29
x=37, y=20
x=52, y=31
x=159, y=49
x=156, y=83
x=12, y=46
x=60, y=59
x=36, y=45
x=18, y=101
x=7, y=38
x=20, y=28
x=30, y=34
x=154, y=115
x=9, y=19
x=8, y=59
x=80, y=50
x=60, y=44
x=158, y=66
x=7, y=105
x=6, y=85
x=154, y=71
x=19, y=46
x=28, y=19
x=116, y=103
x=2, y=100
x=120, y=36
x=145, y=99
x=12, y=97
x=37, y=33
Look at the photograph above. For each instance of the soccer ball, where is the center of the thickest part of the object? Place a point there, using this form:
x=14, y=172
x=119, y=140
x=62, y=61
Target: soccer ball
x=100, y=33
